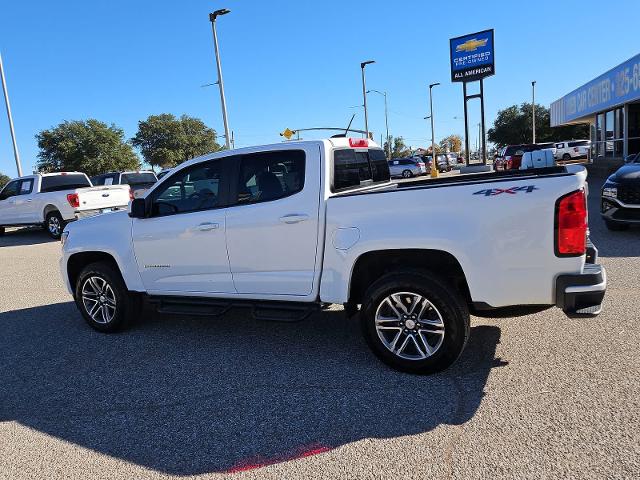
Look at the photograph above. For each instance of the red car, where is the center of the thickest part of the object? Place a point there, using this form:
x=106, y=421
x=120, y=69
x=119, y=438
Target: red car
x=511, y=157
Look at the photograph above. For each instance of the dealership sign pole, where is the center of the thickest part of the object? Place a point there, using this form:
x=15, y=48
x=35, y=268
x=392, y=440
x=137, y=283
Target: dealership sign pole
x=472, y=60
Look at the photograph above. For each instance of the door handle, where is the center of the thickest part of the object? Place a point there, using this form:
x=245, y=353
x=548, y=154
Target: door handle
x=294, y=218
x=206, y=226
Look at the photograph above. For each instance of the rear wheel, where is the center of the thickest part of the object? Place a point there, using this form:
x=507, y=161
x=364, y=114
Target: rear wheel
x=54, y=224
x=103, y=298
x=566, y=157
x=616, y=227
x=414, y=322
x=407, y=174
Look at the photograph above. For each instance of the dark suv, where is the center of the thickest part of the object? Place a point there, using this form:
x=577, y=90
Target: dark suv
x=620, y=196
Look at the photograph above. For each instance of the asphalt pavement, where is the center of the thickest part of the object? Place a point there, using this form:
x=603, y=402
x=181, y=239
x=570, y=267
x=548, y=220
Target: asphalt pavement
x=534, y=397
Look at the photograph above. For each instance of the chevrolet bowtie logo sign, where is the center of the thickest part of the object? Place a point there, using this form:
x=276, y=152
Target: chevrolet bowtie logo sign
x=471, y=45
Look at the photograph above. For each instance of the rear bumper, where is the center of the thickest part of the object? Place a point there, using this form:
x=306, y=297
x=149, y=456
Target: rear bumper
x=90, y=213
x=581, y=294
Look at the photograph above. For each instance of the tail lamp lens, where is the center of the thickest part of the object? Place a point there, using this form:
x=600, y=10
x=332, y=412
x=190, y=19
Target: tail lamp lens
x=73, y=199
x=571, y=224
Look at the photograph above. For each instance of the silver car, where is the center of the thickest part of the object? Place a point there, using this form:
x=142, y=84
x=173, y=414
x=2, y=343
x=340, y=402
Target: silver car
x=407, y=167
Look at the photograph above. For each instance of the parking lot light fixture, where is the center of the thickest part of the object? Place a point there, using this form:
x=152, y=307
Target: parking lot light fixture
x=434, y=168
x=386, y=120
x=364, y=94
x=212, y=17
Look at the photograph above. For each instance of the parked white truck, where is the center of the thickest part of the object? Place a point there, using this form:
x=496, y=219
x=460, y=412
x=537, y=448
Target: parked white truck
x=287, y=228
x=54, y=199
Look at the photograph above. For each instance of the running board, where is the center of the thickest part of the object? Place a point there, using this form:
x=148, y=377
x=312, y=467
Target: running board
x=273, y=311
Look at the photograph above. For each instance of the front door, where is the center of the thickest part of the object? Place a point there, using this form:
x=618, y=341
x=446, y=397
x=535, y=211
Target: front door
x=181, y=247
x=25, y=210
x=8, y=214
x=272, y=229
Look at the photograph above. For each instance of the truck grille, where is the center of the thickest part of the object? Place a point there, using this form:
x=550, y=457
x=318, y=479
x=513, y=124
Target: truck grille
x=629, y=194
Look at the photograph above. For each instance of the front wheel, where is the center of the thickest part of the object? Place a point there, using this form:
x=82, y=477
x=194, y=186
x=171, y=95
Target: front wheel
x=103, y=298
x=566, y=157
x=54, y=224
x=407, y=174
x=414, y=322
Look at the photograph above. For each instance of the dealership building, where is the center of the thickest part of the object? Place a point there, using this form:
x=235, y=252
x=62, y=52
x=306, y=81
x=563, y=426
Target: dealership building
x=610, y=104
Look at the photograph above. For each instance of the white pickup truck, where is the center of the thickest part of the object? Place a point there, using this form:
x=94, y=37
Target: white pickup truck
x=285, y=229
x=54, y=199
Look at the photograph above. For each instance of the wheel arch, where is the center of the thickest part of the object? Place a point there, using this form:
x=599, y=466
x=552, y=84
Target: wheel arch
x=48, y=209
x=373, y=264
x=78, y=261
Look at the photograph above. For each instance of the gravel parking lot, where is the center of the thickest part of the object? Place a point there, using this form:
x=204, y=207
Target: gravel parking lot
x=533, y=397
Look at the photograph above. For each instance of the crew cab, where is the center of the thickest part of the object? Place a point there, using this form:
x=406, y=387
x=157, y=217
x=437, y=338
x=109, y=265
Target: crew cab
x=54, y=199
x=285, y=229
x=139, y=181
x=620, y=196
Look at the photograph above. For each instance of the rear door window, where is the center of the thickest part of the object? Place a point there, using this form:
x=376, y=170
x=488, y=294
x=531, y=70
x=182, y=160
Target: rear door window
x=26, y=187
x=578, y=144
x=270, y=175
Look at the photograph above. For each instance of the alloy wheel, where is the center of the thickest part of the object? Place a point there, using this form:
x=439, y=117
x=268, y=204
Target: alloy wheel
x=409, y=326
x=99, y=300
x=54, y=225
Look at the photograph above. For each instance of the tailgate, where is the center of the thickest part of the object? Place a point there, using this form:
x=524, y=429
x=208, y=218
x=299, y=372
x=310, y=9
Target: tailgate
x=93, y=198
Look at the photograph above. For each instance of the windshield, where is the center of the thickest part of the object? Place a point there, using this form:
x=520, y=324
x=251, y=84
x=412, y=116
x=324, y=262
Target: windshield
x=138, y=178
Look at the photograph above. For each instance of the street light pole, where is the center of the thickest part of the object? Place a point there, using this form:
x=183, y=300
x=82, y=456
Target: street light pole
x=434, y=168
x=533, y=106
x=386, y=120
x=212, y=18
x=364, y=95
x=8, y=105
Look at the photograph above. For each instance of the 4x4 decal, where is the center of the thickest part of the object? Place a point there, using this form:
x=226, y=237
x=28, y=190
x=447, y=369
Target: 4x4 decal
x=512, y=191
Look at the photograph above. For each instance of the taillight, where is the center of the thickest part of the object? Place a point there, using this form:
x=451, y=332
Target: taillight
x=358, y=143
x=131, y=197
x=571, y=225
x=73, y=199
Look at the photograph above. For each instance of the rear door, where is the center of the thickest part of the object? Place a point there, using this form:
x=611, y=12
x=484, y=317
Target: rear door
x=272, y=227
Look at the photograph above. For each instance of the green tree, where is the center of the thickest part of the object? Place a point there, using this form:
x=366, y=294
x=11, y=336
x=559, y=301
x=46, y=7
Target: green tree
x=88, y=146
x=3, y=180
x=398, y=148
x=513, y=126
x=165, y=141
x=452, y=143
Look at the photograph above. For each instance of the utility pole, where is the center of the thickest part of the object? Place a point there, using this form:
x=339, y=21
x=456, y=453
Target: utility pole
x=434, y=166
x=533, y=108
x=8, y=105
x=364, y=95
x=212, y=18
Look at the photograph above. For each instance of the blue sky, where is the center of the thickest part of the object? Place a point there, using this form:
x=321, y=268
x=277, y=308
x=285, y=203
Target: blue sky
x=290, y=64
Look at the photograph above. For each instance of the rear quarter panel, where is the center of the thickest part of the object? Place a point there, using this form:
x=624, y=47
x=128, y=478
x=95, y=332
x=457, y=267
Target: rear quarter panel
x=503, y=241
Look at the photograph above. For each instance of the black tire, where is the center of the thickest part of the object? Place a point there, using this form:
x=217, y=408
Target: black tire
x=566, y=157
x=449, y=305
x=120, y=305
x=616, y=227
x=407, y=174
x=54, y=224
x=2, y=231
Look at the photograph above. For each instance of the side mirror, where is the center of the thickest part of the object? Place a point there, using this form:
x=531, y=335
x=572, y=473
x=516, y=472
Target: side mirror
x=138, y=208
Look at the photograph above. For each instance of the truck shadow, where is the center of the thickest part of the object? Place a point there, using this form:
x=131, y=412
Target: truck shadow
x=187, y=396
x=15, y=237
